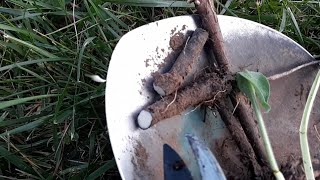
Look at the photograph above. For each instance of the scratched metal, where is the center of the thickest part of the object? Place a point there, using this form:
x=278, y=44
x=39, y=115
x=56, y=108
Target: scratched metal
x=249, y=45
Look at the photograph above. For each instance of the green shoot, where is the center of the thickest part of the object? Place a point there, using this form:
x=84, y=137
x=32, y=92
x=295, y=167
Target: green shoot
x=307, y=164
x=256, y=86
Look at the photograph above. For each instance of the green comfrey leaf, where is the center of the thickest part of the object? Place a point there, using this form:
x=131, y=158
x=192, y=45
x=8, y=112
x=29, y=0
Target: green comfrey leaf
x=254, y=85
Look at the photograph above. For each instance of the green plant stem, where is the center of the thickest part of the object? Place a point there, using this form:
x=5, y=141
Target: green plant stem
x=265, y=137
x=307, y=164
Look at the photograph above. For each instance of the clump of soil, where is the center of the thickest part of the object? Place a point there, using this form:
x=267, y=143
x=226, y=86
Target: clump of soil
x=140, y=154
x=147, y=61
x=293, y=169
x=139, y=160
x=176, y=41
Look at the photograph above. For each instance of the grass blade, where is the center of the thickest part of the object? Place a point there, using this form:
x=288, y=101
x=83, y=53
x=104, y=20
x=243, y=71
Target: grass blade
x=13, y=46
x=23, y=31
x=15, y=12
x=108, y=49
x=152, y=3
x=86, y=42
x=35, y=48
x=115, y=18
x=38, y=61
x=283, y=20
x=33, y=73
x=14, y=122
x=27, y=16
x=296, y=26
x=13, y=94
x=14, y=102
x=103, y=21
x=3, y=116
x=100, y=171
x=10, y=157
x=226, y=7
x=60, y=117
x=26, y=127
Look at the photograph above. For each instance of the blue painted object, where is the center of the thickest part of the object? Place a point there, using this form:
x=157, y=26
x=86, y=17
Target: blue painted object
x=174, y=167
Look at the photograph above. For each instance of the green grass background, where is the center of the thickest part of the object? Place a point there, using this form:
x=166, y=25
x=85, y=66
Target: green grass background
x=52, y=121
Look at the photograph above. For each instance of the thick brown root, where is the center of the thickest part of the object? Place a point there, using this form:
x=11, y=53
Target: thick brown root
x=169, y=82
x=206, y=88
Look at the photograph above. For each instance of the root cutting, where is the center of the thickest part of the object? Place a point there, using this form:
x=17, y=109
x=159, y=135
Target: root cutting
x=203, y=89
x=165, y=84
x=210, y=23
x=241, y=139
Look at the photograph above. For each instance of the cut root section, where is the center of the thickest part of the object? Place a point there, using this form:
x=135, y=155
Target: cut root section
x=205, y=88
